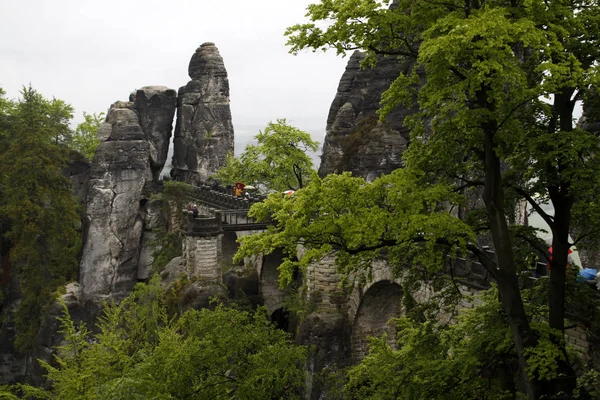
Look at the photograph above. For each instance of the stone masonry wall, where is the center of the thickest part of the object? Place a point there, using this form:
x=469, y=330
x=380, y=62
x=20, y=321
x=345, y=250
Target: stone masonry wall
x=322, y=282
x=202, y=258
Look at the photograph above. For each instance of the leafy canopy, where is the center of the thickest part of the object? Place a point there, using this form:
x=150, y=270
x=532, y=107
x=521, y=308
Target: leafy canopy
x=141, y=353
x=496, y=85
x=85, y=139
x=279, y=161
x=356, y=220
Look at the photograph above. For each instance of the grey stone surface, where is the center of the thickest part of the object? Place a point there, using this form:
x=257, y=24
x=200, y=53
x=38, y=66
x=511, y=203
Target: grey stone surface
x=146, y=259
x=155, y=107
x=133, y=150
x=355, y=141
x=78, y=172
x=173, y=271
x=13, y=364
x=193, y=293
x=114, y=224
x=202, y=258
x=589, y=253
x=203, y=131
x=124, y=122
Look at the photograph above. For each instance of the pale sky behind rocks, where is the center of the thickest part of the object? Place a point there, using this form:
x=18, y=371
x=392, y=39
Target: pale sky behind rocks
x=93, y=53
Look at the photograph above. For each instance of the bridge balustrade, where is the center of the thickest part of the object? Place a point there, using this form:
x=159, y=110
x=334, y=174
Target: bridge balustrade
x=202, y=226
x=223, y=198
x=238, y=219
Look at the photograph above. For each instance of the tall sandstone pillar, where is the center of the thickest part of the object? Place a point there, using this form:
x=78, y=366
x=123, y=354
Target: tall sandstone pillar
x=355, y=140
x=134, y=141
x=203, y=131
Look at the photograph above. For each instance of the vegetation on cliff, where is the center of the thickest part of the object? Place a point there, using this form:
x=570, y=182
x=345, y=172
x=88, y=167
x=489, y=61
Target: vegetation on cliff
x=85, y=138
x=145, y=351
x=167, y=244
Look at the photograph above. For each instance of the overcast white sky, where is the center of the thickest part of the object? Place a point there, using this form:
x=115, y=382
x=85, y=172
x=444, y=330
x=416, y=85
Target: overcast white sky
x=92, y=53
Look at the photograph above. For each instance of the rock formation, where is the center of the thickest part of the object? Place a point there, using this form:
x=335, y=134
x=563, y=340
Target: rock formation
x=133, y=151
x=355, y=140
x=78, y=172
x=155, y=106
x=203, y=132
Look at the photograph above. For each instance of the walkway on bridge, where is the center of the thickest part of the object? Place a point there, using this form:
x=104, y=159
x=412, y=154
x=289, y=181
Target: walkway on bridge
x=228, y=212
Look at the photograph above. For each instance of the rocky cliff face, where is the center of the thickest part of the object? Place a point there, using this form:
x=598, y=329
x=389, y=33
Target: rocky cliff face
x=355, y=141
x=204, y=131
x=133, y=151
x=155, y=106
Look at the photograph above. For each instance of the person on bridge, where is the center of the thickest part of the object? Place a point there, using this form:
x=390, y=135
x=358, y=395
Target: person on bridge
x=239, y=188
x=195, y=210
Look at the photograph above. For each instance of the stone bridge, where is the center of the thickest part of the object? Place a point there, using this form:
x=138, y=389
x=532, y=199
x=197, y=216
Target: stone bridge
x=363, y=309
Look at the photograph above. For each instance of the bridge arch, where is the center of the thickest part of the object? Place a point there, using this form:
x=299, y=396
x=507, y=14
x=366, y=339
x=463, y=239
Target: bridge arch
x=370, y=308
x=282, y=319
x=380, y=303
x=229, y=246
x=272, y=295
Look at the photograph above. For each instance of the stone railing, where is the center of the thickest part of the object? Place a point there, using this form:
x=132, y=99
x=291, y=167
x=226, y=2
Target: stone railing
x=202, y=226
x=223, y=198
x=239, y=220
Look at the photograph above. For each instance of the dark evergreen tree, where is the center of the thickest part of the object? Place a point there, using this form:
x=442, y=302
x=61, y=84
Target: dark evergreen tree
x=37, y=204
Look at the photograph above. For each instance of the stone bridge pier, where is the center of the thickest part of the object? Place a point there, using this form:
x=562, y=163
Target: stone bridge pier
x=202, y=247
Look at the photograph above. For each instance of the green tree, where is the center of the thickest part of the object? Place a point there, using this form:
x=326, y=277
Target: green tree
x=142, y=353
x=85, y=139
x=5, y=117
x=279, y=161
x=471, y=358
x=37, y=205
x=480, y=74
x=412, y=224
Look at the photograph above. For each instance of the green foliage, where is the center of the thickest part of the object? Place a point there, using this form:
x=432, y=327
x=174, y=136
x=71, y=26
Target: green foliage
x=141, y=353
x=38, y=205
x=175, y=197
x=358, y=220
x=6, y=393
x=589, y=382
x=178, y=192
x=167, y=246
x=278, y=161
x=471, y=358
x=85, y=139
x=498, y=82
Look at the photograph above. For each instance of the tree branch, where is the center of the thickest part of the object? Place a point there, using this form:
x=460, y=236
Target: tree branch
x=391, y=52
x=511, y=112
x=458, y=73
x=486, y=261
x=549, y=220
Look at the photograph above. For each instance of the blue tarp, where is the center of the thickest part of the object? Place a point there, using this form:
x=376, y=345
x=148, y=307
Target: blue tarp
x=588, y=273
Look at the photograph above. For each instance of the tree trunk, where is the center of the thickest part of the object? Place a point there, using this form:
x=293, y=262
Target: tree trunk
x=562, y=201
x=508, y=285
